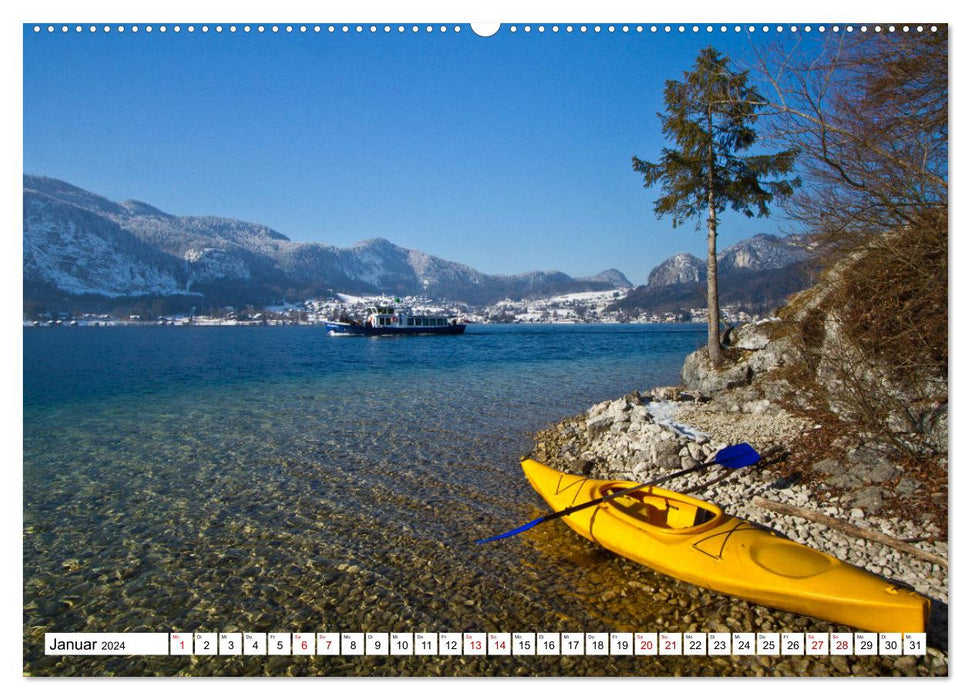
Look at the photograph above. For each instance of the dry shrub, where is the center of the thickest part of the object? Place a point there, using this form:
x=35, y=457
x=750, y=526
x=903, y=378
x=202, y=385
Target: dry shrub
x=874, y=336
x=895, y=301
x=869, y=115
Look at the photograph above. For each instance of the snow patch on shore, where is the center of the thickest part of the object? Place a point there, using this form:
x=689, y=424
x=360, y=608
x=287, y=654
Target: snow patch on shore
x=663, y=413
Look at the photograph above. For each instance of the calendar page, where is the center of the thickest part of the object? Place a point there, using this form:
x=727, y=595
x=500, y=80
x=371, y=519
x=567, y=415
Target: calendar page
x=409, y=345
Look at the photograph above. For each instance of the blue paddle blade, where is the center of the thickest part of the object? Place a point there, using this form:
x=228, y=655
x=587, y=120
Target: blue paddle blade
x=521, y=528
x=736, y=456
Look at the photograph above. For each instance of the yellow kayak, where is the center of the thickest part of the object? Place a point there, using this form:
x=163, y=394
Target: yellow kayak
x=696, y=542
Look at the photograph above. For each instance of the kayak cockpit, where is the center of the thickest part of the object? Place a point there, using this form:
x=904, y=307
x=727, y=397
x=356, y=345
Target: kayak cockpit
x=662, y=509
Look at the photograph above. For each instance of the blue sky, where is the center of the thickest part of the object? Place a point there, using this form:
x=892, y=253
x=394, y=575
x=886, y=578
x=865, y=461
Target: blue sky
x=508, y=153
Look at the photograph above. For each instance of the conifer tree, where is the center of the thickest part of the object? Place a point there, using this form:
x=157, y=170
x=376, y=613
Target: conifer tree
x=710, y=117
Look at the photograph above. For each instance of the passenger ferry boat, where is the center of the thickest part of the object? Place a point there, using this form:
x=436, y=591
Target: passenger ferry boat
x=386, y=320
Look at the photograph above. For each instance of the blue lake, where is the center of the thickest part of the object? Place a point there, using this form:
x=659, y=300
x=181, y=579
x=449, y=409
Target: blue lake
x=278, y=479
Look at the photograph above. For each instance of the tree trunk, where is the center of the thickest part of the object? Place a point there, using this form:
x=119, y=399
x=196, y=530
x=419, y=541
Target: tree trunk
x=714, y=313
x=714, y=334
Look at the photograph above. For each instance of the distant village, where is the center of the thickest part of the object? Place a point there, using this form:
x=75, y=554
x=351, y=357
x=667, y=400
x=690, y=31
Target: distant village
x=582, y=307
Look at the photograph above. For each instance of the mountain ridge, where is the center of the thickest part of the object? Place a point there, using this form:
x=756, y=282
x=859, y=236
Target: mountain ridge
x=756, y=275
x=758, y=253
x=77, y=243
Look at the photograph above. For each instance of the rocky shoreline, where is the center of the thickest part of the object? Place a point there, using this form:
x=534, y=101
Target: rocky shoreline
x=645, y=435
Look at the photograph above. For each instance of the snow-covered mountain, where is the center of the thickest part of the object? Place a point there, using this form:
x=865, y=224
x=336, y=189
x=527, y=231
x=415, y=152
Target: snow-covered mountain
x=764, y=252
x=79, y=243
x=79, y=251
x=756, y=254
x=678, y=269
x=614, y=277
x=755, y=275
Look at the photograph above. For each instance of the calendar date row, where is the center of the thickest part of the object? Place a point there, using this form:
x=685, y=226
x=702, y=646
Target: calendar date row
x=487, y=644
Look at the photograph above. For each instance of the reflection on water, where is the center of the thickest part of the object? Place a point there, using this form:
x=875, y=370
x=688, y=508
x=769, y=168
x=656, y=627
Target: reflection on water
x=275, y=480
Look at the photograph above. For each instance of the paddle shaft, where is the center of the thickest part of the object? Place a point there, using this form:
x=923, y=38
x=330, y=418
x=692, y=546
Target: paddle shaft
x=734, y=457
